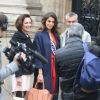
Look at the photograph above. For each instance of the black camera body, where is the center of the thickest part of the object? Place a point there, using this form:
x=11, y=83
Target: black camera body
x=21, y=47
x=16, y=48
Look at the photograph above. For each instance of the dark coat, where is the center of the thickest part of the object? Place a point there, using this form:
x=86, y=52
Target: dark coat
x=68, y=59
x=42, y=45
x=22, y=38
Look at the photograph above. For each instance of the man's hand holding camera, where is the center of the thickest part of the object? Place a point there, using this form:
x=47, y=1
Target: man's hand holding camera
x=19, y=56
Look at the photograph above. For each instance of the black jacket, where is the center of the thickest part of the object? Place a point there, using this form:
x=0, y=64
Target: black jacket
x=22, y=38
x=68, y=59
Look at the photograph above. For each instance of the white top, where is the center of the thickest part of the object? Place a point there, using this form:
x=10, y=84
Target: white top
x=86, y=37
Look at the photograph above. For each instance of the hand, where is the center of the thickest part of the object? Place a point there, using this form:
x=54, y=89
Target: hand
x=40, y=78
x=19, y=81
x=19, y=55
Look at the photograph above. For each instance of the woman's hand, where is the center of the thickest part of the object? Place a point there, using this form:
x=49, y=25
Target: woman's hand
x=40, y=76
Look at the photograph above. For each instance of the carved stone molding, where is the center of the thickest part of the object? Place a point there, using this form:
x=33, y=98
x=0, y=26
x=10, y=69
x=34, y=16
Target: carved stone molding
x=34, y=9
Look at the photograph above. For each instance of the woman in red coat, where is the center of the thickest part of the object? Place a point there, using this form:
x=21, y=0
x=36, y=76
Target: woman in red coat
x=46, y=42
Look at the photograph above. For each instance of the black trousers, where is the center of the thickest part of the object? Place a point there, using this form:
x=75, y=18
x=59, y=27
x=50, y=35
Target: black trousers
x=80, y=96
x=20, y=94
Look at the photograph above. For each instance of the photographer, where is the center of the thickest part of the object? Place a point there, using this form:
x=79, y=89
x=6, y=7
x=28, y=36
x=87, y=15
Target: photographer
x=13, y=66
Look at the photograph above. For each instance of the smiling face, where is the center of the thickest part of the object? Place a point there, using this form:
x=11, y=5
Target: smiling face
x=27, y=25
x=50, y=23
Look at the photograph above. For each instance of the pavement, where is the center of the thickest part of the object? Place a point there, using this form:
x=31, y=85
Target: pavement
x=6, y=89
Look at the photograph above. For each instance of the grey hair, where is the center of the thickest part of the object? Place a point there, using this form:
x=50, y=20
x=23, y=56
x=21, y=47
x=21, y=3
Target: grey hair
x=76, y=29
x=71, y=14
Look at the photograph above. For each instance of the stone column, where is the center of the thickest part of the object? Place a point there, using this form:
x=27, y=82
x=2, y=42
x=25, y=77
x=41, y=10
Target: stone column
x=67, y=6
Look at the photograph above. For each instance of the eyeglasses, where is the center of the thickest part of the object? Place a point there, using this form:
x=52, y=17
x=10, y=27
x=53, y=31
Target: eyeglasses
x=71, y=21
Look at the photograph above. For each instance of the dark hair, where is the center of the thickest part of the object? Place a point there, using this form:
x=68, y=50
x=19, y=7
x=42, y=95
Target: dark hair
x=3, y=21
x=54, y=30
x=44, y=19
x=20, y=20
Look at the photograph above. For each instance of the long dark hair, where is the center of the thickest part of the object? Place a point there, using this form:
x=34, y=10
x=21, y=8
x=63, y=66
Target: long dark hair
x=54, y=30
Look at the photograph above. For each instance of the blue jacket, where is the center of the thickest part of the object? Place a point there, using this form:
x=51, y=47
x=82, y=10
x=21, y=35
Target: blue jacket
x=6, y=71
x=42, y=44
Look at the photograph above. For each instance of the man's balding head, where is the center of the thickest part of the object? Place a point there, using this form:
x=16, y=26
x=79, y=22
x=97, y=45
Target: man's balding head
x=76, y=29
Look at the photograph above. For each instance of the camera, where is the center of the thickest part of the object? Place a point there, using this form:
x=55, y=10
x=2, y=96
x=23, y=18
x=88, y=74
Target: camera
x=17, y=47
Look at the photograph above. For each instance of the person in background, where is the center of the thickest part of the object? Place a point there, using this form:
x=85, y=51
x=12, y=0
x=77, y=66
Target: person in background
x=68, y=59
x=46, y=42
x=12, y=67
x=70, y=19
x=23, y=78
